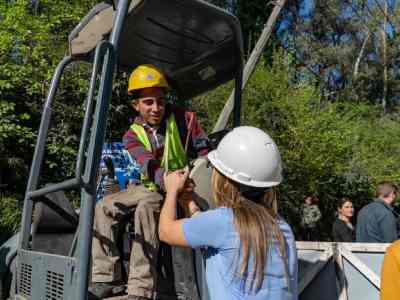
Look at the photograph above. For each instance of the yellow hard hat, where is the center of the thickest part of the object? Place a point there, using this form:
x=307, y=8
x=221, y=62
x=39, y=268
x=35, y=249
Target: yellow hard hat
x=146, y=76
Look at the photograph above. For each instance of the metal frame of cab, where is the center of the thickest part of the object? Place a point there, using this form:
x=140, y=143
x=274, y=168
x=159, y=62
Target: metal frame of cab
x=48, y=276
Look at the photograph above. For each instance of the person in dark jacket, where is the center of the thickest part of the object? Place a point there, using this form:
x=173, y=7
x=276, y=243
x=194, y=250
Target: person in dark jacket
x=343, y=229
x=376, y=222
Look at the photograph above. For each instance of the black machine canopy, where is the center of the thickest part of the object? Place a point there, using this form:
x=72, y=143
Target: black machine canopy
x=196, y=44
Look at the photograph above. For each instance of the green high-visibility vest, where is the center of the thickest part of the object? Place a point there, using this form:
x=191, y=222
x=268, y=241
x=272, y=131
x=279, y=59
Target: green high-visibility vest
x=174, y=156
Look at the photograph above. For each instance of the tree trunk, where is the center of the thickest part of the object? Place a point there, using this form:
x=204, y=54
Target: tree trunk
x=384, y=60
x=360, y=55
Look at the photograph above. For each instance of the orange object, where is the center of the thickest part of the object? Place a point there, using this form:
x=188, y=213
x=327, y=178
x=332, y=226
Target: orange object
x=390, y=278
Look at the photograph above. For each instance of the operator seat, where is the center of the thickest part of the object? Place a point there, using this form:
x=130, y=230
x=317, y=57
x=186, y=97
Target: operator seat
x=54, y=224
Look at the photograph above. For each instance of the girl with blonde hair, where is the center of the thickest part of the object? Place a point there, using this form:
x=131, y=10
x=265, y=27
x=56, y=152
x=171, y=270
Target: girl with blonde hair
x=250, y=250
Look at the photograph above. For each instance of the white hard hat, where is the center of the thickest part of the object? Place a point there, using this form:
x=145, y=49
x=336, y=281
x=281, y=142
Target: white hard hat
x=249, y=156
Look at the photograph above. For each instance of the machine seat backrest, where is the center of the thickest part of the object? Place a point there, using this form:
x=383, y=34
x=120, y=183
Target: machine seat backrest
x=54, y=224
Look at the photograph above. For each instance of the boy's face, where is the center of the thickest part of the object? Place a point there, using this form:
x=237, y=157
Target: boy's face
x=150, y=105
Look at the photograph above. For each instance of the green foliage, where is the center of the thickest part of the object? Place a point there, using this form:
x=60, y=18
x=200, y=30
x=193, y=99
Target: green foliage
x=209, y=105
x=331, y=149
x=348, y=46
x=10, y=217
x=32, y=42
x=315, y=139
x=14, y=134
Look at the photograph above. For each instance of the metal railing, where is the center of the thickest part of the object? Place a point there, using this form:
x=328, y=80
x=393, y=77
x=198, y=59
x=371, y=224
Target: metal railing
x=355, y=267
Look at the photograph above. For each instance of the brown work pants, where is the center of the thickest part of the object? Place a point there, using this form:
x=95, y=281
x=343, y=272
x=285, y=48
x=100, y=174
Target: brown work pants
x=143, y=260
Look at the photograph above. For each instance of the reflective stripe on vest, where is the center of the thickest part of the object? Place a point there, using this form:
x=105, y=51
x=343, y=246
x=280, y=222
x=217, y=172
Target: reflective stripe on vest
x=174, y=156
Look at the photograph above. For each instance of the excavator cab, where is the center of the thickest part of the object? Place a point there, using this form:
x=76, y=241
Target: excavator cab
x=198, y=46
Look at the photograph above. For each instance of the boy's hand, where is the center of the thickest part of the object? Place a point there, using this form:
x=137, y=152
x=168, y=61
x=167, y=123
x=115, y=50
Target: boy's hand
x=175, y=182
x=188, y=204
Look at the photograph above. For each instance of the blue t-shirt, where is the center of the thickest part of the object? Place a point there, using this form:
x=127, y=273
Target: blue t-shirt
x=215, y=230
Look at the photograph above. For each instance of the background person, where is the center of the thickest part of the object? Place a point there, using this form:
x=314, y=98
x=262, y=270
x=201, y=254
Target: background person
x=310, y=216
x=251, y=251
x=376, y=222
x=343, y=229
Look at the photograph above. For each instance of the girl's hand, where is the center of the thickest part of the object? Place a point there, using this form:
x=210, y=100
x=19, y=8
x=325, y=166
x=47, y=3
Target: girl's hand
x=174, y=182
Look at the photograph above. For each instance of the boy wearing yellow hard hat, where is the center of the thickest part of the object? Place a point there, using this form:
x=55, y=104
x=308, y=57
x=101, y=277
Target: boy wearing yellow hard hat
x=162, y=138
